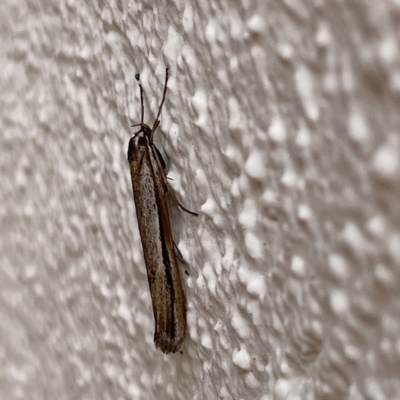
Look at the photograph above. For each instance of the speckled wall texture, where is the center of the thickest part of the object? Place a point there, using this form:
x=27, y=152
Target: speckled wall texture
x=281, y=128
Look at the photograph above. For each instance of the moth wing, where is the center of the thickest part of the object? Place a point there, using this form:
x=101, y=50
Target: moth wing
x=167, y=294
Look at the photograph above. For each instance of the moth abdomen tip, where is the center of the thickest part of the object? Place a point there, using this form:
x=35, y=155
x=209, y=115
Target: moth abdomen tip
x=167, y=345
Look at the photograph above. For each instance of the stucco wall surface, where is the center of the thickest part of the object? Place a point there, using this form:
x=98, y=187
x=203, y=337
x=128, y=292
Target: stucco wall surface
x=281, y=128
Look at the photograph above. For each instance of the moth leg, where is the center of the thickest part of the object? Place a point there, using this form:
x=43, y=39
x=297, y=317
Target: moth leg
x=157, y=156
x=179, y=254
x=180, y=258
x=177, y=201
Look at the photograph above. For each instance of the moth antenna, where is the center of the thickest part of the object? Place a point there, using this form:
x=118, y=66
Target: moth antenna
x=137, y=76
x=155, y=126
x=157, y=121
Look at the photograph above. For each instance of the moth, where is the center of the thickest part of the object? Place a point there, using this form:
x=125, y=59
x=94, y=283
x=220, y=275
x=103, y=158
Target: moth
x=150, y=188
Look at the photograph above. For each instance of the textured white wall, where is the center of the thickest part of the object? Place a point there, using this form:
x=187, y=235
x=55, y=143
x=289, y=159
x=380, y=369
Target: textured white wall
x=281, y=128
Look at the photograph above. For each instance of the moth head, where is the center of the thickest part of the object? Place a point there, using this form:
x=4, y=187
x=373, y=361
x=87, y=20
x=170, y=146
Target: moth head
x=139, y=141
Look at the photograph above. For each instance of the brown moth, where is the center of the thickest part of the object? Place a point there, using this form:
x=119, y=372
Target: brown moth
x=150, y=187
